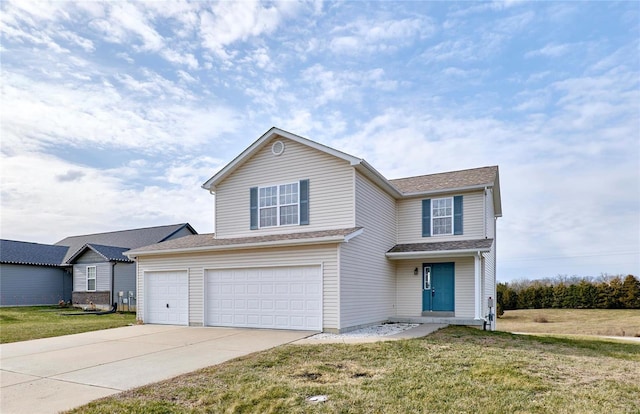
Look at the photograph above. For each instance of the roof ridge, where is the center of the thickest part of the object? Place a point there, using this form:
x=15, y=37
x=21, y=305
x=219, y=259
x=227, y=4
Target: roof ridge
x=126, y=230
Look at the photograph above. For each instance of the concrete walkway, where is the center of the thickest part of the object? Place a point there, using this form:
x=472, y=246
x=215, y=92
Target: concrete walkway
x=54, y=374
x=416, y=332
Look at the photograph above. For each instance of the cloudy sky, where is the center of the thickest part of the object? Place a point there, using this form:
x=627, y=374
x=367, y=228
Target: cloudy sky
x=113, y=114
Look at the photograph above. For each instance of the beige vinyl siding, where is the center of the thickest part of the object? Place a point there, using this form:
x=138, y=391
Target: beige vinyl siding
x=103, y=276
x=367, y=277
x=489, y=214
x=409, y=286
x=197, y=263
x=489, y=279
x=410, y=219
x=330, y=189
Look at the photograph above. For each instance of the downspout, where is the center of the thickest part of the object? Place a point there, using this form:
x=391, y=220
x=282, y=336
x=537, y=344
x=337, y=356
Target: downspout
x=478, y=285
x=113, y=283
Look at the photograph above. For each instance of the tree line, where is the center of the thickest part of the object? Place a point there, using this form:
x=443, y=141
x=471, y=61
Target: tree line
x=604, y=292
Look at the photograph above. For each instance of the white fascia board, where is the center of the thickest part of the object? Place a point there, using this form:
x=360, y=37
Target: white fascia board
x=447, y=190
x=436, y=254
x=371, y=173
x=257, y=145
x=352, y=235
x=280, y=243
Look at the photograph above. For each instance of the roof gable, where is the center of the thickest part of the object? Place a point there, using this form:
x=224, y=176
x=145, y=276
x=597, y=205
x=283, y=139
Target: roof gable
x=129, y=239
x=17, y=252
x=108, y=253
x=358, y=163
x=245, y=155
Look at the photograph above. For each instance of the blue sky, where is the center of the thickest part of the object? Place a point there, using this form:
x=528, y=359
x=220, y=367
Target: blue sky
x=113, y=114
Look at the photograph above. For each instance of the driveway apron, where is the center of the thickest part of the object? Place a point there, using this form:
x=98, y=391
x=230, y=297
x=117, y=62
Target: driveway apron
x=55, y=374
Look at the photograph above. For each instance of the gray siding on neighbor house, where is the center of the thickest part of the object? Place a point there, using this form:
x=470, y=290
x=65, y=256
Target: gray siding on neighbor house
x=125, y=280
x=89, y=256
x=180, y=233
x=367, y=277
x=33, y=285
x=103, y=276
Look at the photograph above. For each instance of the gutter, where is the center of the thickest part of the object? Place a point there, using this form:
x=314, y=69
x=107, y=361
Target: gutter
x=437, y=253
x=447, y=190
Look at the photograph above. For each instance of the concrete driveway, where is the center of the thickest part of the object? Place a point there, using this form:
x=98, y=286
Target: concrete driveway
x=54, y=374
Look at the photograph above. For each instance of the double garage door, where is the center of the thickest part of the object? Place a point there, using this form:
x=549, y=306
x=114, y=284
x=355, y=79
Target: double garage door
x=279, y=298
x=275, y=297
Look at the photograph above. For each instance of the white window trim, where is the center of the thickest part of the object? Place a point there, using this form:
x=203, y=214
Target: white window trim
x=451, y=216
x=95, y=278
x=278, y=205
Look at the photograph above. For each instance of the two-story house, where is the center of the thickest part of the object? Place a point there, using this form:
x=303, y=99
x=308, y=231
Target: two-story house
x=311, y=238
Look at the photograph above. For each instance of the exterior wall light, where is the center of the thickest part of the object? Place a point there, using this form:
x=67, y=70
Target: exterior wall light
x=415, y=271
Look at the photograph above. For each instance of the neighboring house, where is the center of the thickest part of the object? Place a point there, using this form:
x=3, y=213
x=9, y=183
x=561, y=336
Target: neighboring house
x=311, y=238
x=101, y=271
x=32, y=274
x=82, y=269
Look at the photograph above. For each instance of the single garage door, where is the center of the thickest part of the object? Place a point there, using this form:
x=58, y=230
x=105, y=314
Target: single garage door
x=277, y=298
x=167, y=298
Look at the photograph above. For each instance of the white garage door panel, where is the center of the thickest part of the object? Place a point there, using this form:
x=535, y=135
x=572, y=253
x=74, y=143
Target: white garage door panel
x=167, y=298
x=281, y=298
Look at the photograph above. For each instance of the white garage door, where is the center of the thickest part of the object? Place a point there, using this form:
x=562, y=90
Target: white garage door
x=167, y=298
x=279, y=298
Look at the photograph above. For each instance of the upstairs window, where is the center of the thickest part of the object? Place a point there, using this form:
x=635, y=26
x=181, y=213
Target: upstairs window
x=91, y=278
x=279, y=205
x=442, y=216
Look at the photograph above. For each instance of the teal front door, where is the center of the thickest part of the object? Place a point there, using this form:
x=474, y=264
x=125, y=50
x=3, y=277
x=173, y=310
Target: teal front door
x=438, y=282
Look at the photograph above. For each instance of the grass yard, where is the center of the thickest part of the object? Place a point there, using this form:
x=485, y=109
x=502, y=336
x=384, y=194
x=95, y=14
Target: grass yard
x=455, y=370
x=608, y=322
x=33, y=322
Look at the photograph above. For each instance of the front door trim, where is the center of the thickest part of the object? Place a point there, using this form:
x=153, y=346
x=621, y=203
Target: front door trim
x=438, y=279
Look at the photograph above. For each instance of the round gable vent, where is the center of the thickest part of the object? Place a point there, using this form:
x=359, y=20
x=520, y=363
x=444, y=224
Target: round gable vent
x=277, y=148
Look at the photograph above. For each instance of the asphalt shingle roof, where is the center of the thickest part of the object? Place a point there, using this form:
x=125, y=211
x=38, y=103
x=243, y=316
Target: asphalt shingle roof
x=18, y=252
x=442, y=246
x=130, y=239
x=208, y=240
x=446, y=180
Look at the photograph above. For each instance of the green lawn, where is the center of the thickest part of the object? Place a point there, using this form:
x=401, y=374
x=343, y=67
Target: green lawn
x=33, y=322
x=455, y=370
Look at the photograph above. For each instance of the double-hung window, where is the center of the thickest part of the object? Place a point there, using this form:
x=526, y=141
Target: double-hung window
x=279, y=205
x=91, y=278
x=442, y=216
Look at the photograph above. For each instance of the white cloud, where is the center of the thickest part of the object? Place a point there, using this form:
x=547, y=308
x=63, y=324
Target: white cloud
x=89, y=200
x=550, y=50
x=228, y=22
x=90, y=114
x=369, y=36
